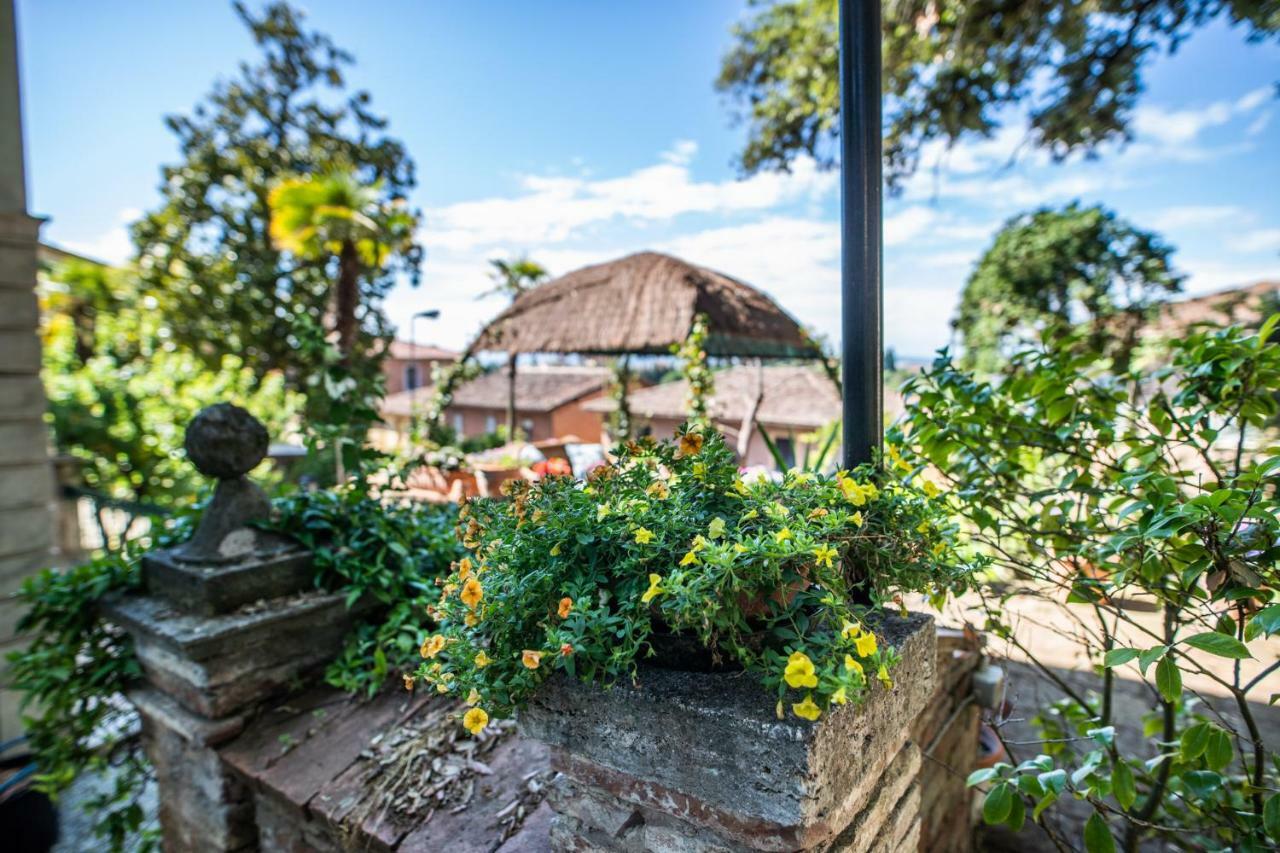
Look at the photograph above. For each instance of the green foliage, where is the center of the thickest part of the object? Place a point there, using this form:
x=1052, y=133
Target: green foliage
x=783, y=577
x=954, y=69
x=206, y=251
x=74, y=672
x=696, y=372
x=1074, y=266
x=1094, y=487
x=512, y=277
x=121, y=391
x=385, y=558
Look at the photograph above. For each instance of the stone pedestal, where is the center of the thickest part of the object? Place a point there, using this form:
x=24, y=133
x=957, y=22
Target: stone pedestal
x=699, y=762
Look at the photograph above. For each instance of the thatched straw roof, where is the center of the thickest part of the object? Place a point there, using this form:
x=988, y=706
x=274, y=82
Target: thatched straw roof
x=644, y=303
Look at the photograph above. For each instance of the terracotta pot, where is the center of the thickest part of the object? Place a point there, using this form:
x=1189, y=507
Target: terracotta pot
x=489, y=479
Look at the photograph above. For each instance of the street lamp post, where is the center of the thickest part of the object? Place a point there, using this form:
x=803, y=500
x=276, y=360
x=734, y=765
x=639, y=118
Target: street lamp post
x=862, y=349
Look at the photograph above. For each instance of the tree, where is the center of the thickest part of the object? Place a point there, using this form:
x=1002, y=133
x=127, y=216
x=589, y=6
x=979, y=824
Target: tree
x=333, y=215
x=952, y=66
x=1077, y=265
x=513, y=277
x=207, y=249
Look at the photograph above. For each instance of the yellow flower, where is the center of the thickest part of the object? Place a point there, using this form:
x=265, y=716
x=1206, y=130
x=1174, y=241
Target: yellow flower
x=689, y=559
x=555, y=550
x=807, y=710
x=740, y=487
x=432, y=646
x=471, y=619
x=464, y=568
x=839, y=697
x=442, y=687
x=865, y=645
x=473, y=698
x=475, y=720
x=716, y=528
x=782, y=535
x=653, y=590
x=659, y=490
x=531, y=659
x=690, y=443
x=931, y=489
x=852, y=665
x=408, y=681
x=779, y=509
x=643, y=536
x=923, y=527
x=738, y=547
x=799, y=671
x=472, y=592
x=883, y=675
x=856, y=519
x=602, y=511
x=853, y=493
x=825, y=554
x=820, y=512
x=938, y=548
x=481, y=660
x=779, y=711
x=700, y=470
x=850, y=630
x=566, y=604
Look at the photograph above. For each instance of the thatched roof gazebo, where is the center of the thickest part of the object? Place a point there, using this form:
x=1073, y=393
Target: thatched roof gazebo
x=643, y=304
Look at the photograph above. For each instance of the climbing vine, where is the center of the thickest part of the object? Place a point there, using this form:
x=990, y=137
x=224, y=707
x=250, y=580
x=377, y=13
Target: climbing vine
x=696, y=372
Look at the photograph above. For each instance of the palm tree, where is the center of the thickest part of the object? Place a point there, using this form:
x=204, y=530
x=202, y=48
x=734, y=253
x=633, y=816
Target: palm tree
x=335, y=214
x=513, y=277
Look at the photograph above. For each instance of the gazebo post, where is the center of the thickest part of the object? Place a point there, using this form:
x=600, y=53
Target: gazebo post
x=861, y=217
x=511, y=395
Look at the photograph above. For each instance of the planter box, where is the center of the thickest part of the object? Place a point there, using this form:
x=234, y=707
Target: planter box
x=698, y=762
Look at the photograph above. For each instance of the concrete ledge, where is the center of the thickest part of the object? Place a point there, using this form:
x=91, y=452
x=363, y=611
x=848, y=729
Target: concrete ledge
x=708, y=749
x=283, y=569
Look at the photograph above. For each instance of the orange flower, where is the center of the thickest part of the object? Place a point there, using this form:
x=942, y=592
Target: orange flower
x=432, y=646
x=691, y=443
x=566, y=604
x=472, y=592
x=464, y=568
x=408, y=681
x=531, y=659
x=566, y=650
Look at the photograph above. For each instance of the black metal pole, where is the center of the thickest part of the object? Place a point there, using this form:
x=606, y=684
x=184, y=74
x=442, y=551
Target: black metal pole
x=860, y=208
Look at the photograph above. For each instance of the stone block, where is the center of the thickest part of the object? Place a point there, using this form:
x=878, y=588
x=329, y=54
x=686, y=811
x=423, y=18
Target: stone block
x=21, y=398
x=23, y=442
x=19, y=351
x=26, y=485
x=203, y=805
x=276, y=568
x=218, y=665
x=18, y=309
x=26, y=530
x=709, y=751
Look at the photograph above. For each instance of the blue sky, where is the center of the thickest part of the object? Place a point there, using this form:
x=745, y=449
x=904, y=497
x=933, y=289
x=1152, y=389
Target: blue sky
x=578, y=131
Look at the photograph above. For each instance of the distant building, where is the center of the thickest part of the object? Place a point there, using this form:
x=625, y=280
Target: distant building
x=408, y=366
x=549, y=403
x=1247, y=306
x=795, y=401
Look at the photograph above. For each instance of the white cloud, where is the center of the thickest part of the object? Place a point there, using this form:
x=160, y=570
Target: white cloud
x=556, y=209
x=113, y=246
x=909, y=224
x=1196, y=216
x=1206, y=275
x=1258, y=240
x=1177, y=127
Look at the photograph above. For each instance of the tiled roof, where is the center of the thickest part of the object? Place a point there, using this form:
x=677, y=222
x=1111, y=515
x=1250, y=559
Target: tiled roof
x=1239, y=305
x=539, y=388
x=794, y=396
x=425, y=352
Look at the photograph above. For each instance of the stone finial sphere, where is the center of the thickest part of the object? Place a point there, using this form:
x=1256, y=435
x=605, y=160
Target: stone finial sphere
x=225, y=441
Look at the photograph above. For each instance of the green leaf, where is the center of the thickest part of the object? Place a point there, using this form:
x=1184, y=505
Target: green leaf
x=1218, y=752
x=1194, y=740
x=1219, y=644
x=1271, y=816
x=1268, y=620
x=999, y=804
x=1017, y=814
x=1122, y=786
x=1045, y=801
x=1150, y=656
x=1104, y=736
x=1201, y=783
x=1054, y=780
x=1097, y=835
x=1168, y=679
x=1119, y=657
x=982, y=774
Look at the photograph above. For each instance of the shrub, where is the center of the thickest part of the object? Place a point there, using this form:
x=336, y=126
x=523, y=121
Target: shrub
x=781, y=577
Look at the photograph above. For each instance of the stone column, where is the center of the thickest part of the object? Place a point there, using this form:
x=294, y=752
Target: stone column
x=229, y=619
x=26, y=479
x=685, y=762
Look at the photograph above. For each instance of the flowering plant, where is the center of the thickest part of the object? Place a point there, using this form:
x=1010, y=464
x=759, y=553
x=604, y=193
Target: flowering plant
x=781, y=577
